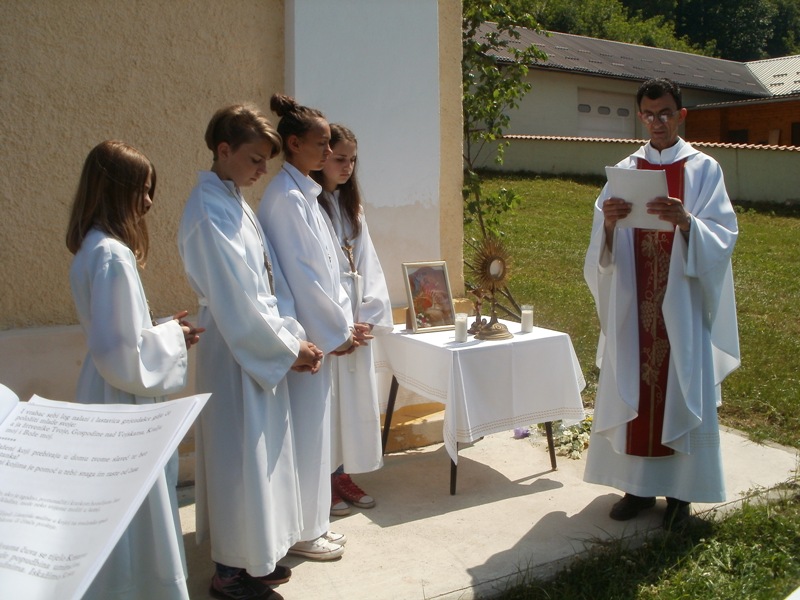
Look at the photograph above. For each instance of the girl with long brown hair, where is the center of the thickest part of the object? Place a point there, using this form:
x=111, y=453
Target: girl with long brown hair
x=355, y=408
x=132, y=359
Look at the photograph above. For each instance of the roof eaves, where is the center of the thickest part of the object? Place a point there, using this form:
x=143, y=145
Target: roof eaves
x=560, y=138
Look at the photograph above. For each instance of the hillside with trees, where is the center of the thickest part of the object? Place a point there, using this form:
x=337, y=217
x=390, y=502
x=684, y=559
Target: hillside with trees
x=740, y=30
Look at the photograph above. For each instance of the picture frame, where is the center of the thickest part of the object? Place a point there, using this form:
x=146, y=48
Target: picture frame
x=430, y=301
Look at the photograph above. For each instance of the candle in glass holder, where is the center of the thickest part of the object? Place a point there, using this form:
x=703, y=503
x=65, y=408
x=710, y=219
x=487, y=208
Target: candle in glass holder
x=527, y=318
x=461, y=327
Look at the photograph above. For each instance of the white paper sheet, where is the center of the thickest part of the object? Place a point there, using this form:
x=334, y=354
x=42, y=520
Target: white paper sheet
x=639, y=186
x=72, y=476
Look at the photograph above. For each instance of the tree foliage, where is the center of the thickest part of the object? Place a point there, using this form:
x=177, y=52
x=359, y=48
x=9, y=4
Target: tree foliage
x=732, y=29
x=611, y=20
x=490, y=90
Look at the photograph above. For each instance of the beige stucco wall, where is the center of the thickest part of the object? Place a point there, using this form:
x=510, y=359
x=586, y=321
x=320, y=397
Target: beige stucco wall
x=151, y=73
x=148, y=72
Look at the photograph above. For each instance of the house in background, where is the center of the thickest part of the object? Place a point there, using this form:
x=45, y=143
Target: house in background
x=774, y=120
x=587, y=89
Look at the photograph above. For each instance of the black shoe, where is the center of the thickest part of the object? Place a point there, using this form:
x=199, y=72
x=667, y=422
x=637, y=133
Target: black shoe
x=677, y=515
x=241, y=587
x=629, y=507
x=280, y=575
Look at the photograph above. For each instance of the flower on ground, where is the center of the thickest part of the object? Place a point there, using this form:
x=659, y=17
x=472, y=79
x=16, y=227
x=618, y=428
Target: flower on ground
x=571, y=441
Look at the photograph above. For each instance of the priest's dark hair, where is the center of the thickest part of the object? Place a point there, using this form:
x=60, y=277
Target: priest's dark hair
x=349, y=193
x=110, y=197
x=296, y=119
x=655, y=88
x=239, y=124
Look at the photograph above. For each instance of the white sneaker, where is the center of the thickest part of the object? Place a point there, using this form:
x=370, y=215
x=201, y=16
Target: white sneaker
x=318, y=549
x=336, y=538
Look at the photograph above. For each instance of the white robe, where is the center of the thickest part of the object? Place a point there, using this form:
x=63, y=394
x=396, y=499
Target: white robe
x=306, y=253
x=131, y=361
x=700, y=316
x=355, y=406
x=246, y=489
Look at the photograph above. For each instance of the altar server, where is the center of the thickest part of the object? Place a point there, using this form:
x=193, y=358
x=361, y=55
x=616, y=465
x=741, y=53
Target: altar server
x=669, y=334
x=247, y=491
x=355, y=408
x=306, y=253
x=131, y=359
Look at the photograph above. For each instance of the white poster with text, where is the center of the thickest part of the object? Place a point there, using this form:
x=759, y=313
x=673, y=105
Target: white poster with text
x=72, y=476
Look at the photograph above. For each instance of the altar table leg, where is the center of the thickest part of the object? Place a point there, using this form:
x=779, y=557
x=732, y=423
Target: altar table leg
x=548, y=427
x=453, y=472
x=387, y=420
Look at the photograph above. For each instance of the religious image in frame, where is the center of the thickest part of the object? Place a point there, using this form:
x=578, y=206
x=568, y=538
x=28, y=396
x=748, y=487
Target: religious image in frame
x=430, y=301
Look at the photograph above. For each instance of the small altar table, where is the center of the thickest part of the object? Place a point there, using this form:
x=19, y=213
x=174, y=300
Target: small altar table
x=486, y=386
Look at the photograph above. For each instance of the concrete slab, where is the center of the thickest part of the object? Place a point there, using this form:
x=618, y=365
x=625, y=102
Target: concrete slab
x=511, y=515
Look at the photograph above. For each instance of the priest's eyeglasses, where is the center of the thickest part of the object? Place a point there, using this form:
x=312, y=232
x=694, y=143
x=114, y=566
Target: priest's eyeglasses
x=664, y=116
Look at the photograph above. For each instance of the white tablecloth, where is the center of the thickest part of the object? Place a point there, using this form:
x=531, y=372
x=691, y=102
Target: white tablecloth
x=487, y=386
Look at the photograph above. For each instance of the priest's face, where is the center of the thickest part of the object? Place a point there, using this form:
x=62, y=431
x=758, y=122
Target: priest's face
x=245, y=165
x=662, y=119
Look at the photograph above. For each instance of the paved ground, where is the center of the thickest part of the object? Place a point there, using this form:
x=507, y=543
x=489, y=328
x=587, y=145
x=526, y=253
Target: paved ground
x=511, y=514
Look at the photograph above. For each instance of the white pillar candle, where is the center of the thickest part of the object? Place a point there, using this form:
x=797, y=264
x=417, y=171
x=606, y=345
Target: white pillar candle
x=461, y=327
x=527, y=318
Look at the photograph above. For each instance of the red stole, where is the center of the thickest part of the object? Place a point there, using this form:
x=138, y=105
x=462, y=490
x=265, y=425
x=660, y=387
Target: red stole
x=652, y=250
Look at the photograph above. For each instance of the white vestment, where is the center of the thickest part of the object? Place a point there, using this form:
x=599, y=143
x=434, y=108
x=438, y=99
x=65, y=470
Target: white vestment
x=247, y=491
x=131, y=361
x=355, y=406
x=700, y=316
x=306, y=254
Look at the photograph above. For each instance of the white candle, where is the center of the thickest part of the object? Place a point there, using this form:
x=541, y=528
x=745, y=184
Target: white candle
x=527, y=318
x=461, y=327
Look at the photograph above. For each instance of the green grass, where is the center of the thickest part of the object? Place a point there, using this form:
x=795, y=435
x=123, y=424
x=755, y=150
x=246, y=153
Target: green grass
x=752, y=552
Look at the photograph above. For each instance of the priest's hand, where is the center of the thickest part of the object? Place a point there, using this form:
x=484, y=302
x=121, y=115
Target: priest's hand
x=309, y=358
x=671, y=210
x=614, y=209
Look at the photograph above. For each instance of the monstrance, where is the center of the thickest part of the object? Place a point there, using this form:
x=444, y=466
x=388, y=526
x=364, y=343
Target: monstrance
x=490, y=272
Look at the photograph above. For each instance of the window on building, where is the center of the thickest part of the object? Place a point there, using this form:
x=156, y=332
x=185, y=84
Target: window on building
x=737, y=136
x=795, y=134
x=605, y=114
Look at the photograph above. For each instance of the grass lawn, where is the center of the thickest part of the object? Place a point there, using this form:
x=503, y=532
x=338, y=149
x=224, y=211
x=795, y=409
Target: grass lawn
x=753, y=552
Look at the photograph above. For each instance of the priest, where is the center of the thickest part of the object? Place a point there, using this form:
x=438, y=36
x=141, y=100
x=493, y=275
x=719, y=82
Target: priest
x=667, y=315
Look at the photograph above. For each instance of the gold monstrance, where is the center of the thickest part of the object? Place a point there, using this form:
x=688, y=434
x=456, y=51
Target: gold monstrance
x=490, y=272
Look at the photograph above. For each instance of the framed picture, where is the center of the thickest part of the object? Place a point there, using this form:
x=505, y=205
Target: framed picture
x=430, y=303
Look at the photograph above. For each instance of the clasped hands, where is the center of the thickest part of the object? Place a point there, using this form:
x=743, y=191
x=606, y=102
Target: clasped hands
x=360, y=334
x=191, y=334
x=309, y=359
